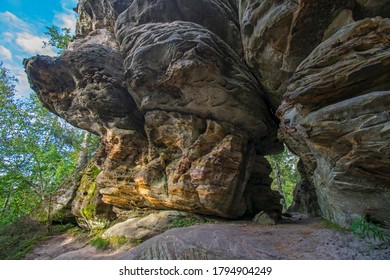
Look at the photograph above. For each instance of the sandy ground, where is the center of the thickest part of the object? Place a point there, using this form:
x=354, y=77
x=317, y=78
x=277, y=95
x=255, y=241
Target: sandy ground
x=300, y=238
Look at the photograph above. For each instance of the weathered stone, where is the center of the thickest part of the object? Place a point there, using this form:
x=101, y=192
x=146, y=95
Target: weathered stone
x=86, y=91
x=58, y=206
x=218, y=16
x=336, y=117
x=305, y=196
x=264, y=219
x=278, y=35
x=98, y=14
x=258, y=194
x=142, y=228
x=372, y=8
x=198, y=74
x=249, y=241
x=87, y=205
x=181, y=118
x=190, y=160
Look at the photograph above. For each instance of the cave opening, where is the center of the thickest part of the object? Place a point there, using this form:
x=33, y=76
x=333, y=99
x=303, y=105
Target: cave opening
x=284, y=175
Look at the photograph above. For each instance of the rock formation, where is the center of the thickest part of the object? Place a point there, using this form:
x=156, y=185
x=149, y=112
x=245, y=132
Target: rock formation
x=183, y=95
x=336, y=116
x=328, y=64
x=248, y=241
x=184, y=123
x=278, y=35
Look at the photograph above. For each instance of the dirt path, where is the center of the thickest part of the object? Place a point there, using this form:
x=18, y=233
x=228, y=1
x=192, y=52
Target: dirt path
x=291, y=239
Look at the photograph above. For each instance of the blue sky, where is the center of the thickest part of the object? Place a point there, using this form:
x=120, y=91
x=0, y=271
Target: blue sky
x=22, y=27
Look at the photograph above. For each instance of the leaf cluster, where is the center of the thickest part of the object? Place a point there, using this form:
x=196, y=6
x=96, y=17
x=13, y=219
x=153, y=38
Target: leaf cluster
x=366, y=229
x=59, y=37
x=38, y=151
x=286, y=162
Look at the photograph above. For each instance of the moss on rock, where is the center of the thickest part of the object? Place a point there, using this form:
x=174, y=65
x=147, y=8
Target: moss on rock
x=90, y=211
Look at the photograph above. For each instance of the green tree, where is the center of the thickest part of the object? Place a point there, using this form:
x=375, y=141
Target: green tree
x=37, y=151
x=59, y=38
x=285, y=175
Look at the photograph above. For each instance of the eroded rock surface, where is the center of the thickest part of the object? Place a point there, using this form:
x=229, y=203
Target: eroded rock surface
x=184, y=123
x=218, y=16
x=248, y=241
x=139, y=229
x=183, y=95
x=278, y=35
x=336, y=116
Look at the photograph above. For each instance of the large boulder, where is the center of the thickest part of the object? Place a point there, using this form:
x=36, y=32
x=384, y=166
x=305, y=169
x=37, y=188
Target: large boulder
x=335, y=116
x=249, y=241
x=183, y=121
x=138, y=229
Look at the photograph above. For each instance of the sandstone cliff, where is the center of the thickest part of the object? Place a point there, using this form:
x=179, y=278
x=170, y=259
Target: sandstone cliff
x=183, y=95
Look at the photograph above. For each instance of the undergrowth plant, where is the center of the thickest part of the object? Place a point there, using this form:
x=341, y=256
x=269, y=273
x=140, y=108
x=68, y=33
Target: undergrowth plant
x=19, y=238
x=183, y=223
x=99, y=242
x=366, y=229
x=113, y=242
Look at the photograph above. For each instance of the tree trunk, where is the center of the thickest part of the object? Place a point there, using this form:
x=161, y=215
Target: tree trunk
x=279, y=182
x=83, y=155
x=6, y=201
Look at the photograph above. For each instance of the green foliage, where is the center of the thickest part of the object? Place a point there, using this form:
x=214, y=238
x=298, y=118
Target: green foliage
x=59, y=38
x=19, y=238
x=138, y=241
x=37, y=151
x=111, y=242
x=117, y=241
x=89, y=210
x=99, y=242
x=183, y=223
x=366, y=229
x=289, y=176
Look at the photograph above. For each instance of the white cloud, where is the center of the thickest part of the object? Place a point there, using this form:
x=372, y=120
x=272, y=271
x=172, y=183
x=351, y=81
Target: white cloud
x=4, y=52
x=33, y=44
x=13, y=21
x=8, y=37
x=67, y=20
x=66, y=4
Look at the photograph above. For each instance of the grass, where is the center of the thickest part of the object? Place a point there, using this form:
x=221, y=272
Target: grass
x=183, y=223
x=99, y=242
x=19, y=238
x=113, y=242
x=117, y=241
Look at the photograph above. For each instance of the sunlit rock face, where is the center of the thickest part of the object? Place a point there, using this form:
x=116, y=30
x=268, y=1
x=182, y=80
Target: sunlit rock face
x=184, y=96
x=184, y=122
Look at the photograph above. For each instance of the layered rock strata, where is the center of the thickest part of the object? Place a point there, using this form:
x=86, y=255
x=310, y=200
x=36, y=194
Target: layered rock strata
x=336, y=116
x=183, y=95
x=184, y=123
x=278, y=35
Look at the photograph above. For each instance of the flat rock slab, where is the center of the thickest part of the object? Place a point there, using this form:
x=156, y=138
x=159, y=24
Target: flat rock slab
x=248, y=241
